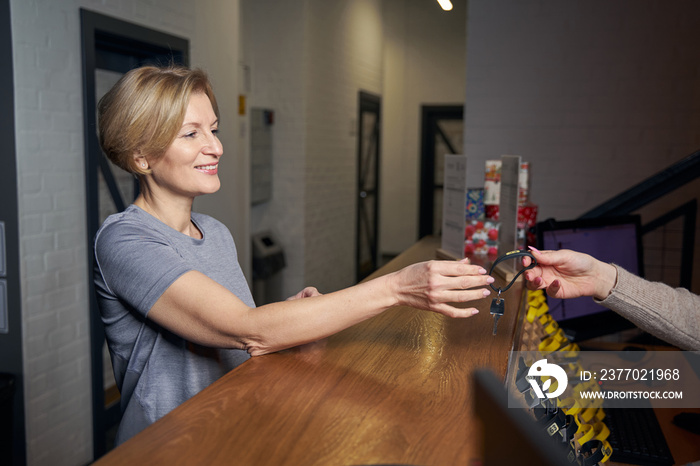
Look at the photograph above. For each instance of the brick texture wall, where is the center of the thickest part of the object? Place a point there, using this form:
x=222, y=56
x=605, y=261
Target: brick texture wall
x=274, y=54
x=344, y=57
x=424, y=64
x=409, y=53
x=308, y=61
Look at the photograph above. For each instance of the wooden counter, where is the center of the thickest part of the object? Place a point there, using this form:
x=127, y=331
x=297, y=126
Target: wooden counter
x=393, y=389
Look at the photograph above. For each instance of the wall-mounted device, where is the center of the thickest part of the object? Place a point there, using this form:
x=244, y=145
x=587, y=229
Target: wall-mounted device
x=268, y=256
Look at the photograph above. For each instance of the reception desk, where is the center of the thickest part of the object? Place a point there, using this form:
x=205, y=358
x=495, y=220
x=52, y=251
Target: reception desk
x=396, y=389
x=393, y=389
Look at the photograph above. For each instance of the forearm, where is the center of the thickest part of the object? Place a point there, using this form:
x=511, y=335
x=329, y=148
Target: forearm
x=281, y=325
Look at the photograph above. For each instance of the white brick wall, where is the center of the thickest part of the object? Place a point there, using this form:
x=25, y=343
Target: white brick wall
x=596, y=95
x=344, y=56
x=53, y=263
x=274, y=51
x=311, y=79
x=424, y=64
x=409, y=53
x=52, y=232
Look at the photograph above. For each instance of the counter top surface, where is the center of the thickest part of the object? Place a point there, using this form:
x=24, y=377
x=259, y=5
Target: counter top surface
x=393, y=389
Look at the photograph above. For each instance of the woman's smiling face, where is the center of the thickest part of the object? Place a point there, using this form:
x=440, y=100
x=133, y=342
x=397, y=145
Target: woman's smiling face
x=189, y=167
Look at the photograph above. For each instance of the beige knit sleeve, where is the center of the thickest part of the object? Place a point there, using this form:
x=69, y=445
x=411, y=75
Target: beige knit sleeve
x=672, y=314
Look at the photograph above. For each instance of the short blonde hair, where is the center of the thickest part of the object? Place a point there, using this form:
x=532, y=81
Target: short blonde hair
x=144, y=111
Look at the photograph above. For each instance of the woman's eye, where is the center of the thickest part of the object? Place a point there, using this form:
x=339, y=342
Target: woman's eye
x=215, y=132
x=190, y=134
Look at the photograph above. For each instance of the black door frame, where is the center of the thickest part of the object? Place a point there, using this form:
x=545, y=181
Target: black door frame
x=430, y=131
x=370, y=103
x=116, y=45
x=12, y=424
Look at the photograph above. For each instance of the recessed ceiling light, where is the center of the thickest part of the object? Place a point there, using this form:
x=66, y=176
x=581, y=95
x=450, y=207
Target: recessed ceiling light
x=445, y=4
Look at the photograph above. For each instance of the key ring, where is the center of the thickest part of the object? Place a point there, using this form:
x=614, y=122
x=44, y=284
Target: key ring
x=512, y=255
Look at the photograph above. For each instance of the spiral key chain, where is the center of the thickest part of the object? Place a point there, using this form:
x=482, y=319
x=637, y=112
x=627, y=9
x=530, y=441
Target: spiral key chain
x=498, y=304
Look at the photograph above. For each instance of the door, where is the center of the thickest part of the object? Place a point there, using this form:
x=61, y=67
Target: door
x=441, y=133
x=110, y=48
x=367, y=237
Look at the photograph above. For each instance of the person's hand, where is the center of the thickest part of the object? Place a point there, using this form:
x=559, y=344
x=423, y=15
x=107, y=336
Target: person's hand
x=307, y=292
x=437, y=285
x=568, y=274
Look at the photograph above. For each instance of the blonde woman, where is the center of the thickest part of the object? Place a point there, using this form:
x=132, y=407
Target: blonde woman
x=177, y=310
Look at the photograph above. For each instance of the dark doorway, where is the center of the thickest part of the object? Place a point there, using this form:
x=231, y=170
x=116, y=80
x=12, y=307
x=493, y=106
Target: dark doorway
x=110, y=48
x=368, y=143
x=441, y=133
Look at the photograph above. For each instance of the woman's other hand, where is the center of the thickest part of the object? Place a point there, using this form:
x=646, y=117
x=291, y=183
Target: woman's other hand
x=307, y=292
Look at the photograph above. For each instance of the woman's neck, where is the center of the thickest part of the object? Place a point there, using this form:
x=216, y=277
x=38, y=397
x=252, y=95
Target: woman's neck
x=177, y=215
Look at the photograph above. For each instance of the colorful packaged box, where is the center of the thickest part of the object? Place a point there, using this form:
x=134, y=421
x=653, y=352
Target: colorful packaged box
x=492, y=183
x=524, y=183
x=481, y=238
x=474, y=209
x=527, y=218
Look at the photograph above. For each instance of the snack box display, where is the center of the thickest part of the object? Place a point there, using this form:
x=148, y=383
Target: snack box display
x=481, y=238
x=492, y=183
x=474, y=209
x=527, y=219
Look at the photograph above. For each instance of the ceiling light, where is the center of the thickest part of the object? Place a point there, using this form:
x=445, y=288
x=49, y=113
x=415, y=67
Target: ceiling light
x=445, y=4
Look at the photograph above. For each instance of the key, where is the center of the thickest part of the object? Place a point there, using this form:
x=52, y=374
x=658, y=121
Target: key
x=495, y=322
x=497, y=310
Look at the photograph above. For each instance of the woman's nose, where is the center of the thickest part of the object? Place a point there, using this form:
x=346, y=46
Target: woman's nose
x=214, y=145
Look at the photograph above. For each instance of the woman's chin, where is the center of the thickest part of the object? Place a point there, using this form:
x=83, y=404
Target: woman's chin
x=212, y=188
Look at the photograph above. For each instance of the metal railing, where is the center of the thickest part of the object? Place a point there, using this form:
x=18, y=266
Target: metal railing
x=650, y=190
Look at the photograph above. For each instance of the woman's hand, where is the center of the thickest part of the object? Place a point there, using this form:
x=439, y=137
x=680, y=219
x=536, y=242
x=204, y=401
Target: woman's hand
x=307, y=292
x=435, y=285
x=569, y=274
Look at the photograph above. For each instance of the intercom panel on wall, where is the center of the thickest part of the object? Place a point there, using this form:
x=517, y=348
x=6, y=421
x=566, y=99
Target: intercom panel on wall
x=261, y=155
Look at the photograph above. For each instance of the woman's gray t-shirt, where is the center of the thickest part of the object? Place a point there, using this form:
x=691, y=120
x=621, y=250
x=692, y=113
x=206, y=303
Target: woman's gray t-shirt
x=137, y=258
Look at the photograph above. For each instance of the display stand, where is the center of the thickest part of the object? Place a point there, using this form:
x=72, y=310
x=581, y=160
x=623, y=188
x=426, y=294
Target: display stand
x=508, y=212
x=454, y=199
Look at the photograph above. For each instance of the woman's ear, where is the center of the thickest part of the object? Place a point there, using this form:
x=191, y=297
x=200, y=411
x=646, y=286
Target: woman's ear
x=140, y=160
x=140, y=163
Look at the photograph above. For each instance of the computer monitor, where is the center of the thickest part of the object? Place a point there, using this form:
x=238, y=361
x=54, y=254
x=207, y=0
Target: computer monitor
x=610, y=239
